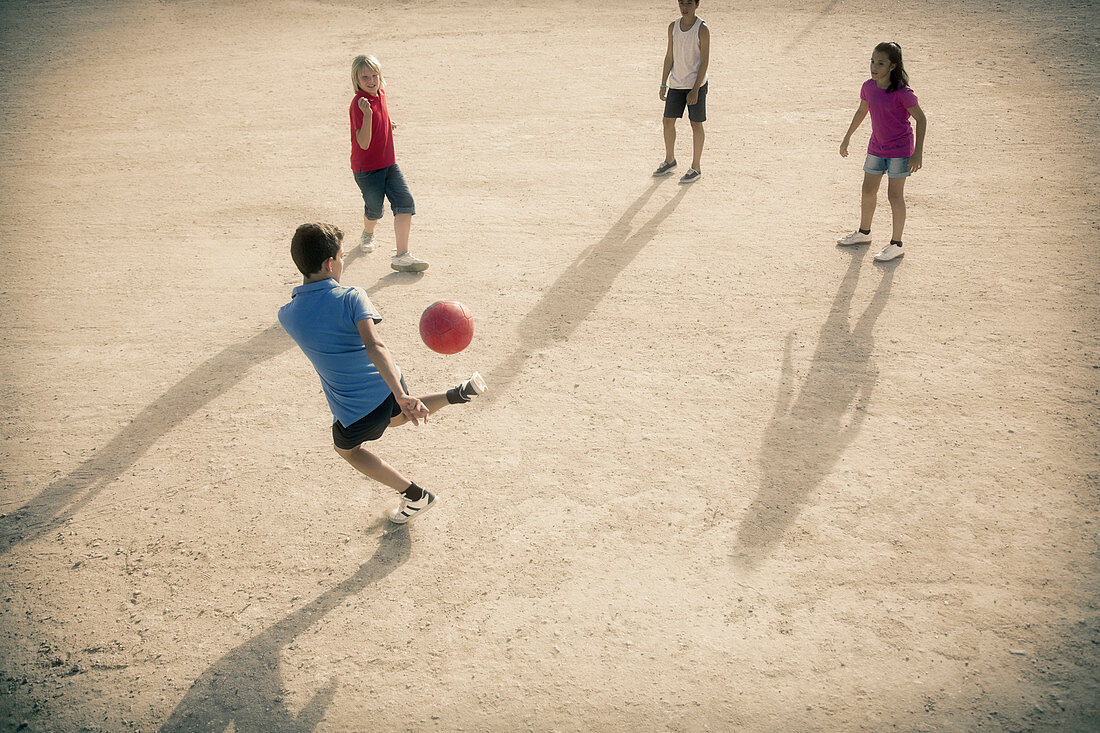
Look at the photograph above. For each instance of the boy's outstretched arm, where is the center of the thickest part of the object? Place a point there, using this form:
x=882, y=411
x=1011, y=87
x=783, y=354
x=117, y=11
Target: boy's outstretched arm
x=857, y=118
x=411, y=407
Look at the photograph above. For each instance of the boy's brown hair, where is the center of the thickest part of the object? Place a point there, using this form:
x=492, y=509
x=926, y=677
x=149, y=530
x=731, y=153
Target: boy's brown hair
x=314, y=243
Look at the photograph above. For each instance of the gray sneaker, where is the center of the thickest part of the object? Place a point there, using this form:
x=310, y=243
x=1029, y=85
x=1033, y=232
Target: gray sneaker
x=408, y=263
x=366, y=243
x=691, y=176
x=664, y=169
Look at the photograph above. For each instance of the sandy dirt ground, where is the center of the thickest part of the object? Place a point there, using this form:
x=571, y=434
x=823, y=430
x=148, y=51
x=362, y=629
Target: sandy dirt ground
x=729, y=476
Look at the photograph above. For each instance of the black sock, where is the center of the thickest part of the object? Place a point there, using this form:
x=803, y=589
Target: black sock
x=864, y=231
x=461, y=393
x=896, y=241
x=414, y=492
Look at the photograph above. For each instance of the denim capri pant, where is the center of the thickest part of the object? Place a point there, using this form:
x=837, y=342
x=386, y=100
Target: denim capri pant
x=384, y=183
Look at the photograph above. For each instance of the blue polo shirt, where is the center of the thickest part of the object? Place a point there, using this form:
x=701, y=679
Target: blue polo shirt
x=321, y=318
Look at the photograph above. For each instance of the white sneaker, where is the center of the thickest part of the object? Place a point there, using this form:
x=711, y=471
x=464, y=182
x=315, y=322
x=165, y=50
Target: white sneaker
x=856, y=237
x=366, y=243
x=408, y=263
x=890, y=252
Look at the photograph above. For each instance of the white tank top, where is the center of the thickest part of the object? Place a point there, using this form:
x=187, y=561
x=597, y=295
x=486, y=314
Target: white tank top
x=685, y=56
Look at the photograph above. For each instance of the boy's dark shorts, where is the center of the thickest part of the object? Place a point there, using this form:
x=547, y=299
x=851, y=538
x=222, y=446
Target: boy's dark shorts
x=384, y=183
x=370, y=426
x=676, y=100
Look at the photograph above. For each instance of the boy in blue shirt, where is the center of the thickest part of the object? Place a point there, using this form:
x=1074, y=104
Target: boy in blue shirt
x=335, y=327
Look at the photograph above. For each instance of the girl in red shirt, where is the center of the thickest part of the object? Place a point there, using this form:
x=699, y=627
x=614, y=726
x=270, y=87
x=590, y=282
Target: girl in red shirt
x=374, y=164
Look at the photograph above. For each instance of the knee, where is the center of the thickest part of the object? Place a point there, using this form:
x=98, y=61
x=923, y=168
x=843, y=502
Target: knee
x=345, y=453
x=896, y=198
x=669, y=123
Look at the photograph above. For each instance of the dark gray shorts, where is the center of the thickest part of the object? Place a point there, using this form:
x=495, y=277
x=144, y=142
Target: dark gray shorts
x=370, y=426
x=676, y=100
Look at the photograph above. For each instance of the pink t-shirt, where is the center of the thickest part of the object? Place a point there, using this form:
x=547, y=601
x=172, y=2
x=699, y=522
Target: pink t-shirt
x=891, y=132
x=380, y=153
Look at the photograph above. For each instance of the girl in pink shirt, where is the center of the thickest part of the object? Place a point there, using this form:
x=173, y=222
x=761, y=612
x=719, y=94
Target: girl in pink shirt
x=893, y=149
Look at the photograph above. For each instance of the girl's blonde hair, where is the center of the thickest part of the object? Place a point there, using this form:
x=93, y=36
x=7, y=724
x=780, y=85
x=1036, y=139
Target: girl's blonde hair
x=369, y=62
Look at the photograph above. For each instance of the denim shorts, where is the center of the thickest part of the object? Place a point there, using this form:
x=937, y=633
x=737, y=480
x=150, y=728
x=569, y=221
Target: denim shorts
x=384, y=182
x=676, y=100
x=892, y=167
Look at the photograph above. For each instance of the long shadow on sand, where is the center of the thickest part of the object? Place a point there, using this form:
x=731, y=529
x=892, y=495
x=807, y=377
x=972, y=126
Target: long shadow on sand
x=63, y=498
x=245, y=688
x=574, y=295
x=805, y=439
x=560, y=311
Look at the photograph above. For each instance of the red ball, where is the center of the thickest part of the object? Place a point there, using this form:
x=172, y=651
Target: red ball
x=447, y=326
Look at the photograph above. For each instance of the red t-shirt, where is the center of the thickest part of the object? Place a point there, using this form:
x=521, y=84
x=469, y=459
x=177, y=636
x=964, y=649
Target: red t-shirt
x=380, y=153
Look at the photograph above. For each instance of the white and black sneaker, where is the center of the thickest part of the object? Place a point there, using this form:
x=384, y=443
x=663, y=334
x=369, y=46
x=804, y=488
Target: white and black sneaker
x=472, y=387
x=410, y=510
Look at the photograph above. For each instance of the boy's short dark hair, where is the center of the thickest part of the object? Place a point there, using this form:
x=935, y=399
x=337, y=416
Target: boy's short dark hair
x=313, y=244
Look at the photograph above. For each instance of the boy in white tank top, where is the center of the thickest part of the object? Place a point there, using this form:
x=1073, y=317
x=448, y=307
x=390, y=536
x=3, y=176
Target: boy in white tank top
x=684, y=84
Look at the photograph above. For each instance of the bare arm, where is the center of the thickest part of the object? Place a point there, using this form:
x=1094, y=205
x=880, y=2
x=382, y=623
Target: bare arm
x=857, y=118
x=916, y=160
x=668, y=64
x=704, y=62
x=363, y=134
x=411, y=407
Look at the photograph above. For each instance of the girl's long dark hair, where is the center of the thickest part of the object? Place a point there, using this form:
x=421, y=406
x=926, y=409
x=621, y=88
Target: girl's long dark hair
x=898, y=77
